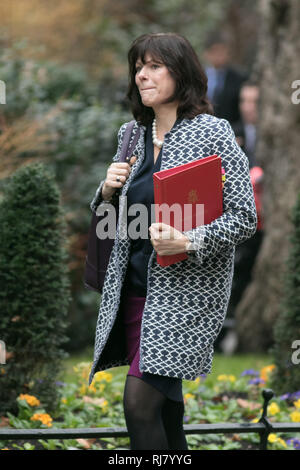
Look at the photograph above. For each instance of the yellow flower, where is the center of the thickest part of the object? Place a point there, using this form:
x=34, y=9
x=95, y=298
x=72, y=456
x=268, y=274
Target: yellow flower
x=273, y=409
x=231, y=377
x=102, y=375
x=92, y=388
x=222, y=377
x=189, y=395
x=108, y=377
x=272, y=437
x=43, y=417
x=282, y=442
x=104, y=404
x=99, y=376
x=82, y=389
x=265, y=371
x=297, y=403
x=64, y=400
x=295, y=416
x=255, y=420
x=30, y=399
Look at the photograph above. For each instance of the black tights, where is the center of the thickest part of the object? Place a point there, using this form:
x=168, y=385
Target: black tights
x=153, y=420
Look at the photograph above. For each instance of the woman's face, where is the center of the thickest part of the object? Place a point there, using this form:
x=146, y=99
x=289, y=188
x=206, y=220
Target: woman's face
x=154, y=82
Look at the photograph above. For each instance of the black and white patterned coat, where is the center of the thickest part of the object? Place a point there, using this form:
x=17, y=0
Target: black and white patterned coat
x=186, y=302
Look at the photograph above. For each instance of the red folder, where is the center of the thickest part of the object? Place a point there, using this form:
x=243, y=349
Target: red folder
x=197, y=182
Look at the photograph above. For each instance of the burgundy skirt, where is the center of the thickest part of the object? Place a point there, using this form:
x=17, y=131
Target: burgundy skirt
x=131, y=310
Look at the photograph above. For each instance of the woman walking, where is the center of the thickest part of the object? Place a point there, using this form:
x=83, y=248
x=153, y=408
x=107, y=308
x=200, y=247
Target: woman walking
x=163, y=321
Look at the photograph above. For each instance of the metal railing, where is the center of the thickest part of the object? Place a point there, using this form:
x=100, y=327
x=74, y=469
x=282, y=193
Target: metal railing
x=263, y=427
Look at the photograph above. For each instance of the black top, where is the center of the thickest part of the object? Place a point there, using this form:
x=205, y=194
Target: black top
x=141, y=191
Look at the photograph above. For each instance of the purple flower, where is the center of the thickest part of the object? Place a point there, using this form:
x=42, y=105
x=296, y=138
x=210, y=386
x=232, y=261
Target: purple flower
x=292, y=396
x=60, y=384
x=256, y=381
x=249, y=372
x=285, y=396
x=295, y=442
x=186, y=419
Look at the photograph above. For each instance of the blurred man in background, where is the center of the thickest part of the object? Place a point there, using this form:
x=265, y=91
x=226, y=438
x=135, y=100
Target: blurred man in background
x=245, y=128
x=224, y=82
x=245, y=254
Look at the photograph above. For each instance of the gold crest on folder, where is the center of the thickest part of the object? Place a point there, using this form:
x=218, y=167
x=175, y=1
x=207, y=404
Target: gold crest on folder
x=193, y=196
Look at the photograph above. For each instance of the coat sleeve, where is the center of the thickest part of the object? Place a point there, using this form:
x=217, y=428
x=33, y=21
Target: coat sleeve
x=239, y=219
x=97, y=199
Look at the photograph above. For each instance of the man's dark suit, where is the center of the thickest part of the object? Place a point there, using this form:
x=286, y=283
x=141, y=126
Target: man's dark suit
x=226, y=97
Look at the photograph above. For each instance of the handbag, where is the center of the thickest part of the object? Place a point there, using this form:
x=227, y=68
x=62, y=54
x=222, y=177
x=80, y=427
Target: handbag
x=98, y=250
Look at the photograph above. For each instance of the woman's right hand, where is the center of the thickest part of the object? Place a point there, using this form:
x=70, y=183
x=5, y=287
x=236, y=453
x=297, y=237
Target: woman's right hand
x=121, y=169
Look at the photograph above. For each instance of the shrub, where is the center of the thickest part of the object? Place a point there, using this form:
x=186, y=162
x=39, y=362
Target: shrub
x=286, y=376
x=35, y=289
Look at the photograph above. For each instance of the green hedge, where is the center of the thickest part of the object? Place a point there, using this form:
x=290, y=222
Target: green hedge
x=35, y=287
x=286, y=377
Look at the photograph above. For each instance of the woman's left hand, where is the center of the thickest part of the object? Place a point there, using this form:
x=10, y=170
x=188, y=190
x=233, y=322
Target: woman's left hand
x=166, y=240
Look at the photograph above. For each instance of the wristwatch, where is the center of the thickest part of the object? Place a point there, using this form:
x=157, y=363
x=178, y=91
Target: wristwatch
x=190, y=248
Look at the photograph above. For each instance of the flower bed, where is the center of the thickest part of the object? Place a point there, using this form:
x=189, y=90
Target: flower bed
x=227, y=399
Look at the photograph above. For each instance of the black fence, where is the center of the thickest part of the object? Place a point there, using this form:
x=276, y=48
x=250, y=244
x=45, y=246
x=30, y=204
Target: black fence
x=263, y=427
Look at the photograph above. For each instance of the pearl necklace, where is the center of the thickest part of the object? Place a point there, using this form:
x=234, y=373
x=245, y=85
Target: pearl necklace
x=155, y=140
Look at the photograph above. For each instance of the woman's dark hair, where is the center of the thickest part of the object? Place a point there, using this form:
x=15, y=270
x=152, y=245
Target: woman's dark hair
x=177, y=54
